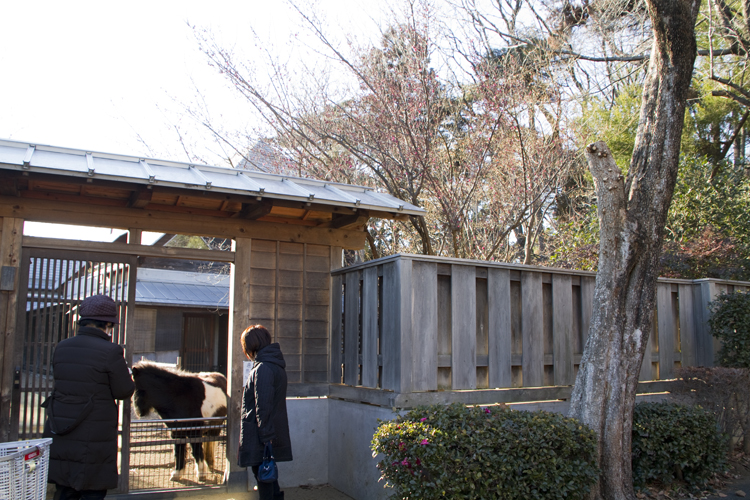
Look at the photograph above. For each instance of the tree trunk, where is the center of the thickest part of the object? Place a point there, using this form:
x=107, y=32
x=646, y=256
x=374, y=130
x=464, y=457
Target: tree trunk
x=632, y=213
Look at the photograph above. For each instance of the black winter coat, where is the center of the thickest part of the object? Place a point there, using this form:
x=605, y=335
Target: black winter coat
x=90, y=374
x=264, y=416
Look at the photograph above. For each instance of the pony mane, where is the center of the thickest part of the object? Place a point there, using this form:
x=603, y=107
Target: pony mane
x=161, y=369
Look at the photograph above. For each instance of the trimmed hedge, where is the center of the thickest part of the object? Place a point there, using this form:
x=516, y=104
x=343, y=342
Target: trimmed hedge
x=672, y=441
x=730, y=322
x=458, y=452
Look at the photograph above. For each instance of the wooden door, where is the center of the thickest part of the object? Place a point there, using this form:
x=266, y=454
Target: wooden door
x=198, y=343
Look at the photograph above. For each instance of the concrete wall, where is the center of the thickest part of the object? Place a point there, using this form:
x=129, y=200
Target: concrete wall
x=351, y=466
x=331, y=444
x=308, y=430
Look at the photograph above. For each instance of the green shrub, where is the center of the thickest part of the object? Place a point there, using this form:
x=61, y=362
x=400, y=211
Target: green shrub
x=675, y=441
x=730, y=322
x=453, y=451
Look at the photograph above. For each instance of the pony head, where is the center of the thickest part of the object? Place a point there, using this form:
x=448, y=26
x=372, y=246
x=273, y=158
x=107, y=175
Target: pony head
x=141, y=375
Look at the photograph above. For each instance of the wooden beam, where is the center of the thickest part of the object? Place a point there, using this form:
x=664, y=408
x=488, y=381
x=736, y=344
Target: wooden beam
x=254, y=211
x=9, y=187
x=178, y=223
x=389, y=399
x=353, y=221
x=129, y=249
x=140, y=198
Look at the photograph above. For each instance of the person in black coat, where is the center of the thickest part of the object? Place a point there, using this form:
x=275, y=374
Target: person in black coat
x=264, y=417
x=82, y=416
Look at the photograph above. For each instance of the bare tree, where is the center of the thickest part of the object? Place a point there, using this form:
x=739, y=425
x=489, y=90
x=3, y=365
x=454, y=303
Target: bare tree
x=632, y=212
x=480, y=152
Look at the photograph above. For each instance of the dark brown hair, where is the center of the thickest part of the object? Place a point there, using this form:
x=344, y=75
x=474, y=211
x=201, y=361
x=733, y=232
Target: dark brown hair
x=255, y=338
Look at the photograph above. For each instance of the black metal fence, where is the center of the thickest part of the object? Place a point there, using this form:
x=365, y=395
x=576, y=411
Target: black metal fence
x=159, y=447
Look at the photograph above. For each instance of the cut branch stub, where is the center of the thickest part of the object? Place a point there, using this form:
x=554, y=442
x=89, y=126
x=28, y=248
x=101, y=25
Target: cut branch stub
x=610, y=188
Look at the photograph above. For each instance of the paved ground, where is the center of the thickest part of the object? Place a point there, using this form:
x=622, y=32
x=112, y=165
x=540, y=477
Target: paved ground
x=307, y=493
x=737, y=488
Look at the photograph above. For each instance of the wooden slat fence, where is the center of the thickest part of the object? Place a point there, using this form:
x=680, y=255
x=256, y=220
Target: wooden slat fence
x=412, y=323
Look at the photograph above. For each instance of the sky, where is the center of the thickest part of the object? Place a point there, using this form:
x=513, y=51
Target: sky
x=115, y=77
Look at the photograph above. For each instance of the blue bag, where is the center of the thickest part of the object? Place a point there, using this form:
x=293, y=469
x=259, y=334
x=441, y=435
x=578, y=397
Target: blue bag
x=268, y=472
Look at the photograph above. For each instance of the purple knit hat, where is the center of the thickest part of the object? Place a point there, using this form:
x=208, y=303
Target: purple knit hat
x=99, y=307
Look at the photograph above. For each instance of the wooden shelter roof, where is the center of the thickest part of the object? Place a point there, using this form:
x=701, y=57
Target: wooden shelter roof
x=32, y=171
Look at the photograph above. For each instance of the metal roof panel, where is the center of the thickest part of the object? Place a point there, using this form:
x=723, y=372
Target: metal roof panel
x=16, y=155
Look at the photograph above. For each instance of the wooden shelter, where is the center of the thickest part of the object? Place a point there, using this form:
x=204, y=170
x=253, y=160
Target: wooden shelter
x=287, y=233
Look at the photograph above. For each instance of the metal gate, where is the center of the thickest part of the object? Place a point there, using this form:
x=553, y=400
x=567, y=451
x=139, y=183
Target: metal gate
x=53, y=284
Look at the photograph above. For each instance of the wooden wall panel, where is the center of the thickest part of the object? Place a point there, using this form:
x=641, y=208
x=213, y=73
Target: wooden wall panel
x=482, y=329
x=391, y=317
x=370, y=330
x=687, y=326
x=588, y=283
x=500, y=350
x=562, y=311
x=647, y=367
x=463, y=327
x=548, y=376
x=337, y=329
x=315, y=330
x=424, y=326
x=533, y=329
x=351, y=329
x=444, y=329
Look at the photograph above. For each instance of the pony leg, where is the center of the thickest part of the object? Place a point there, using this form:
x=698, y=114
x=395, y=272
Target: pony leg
x=179, y=462
x=201, y=470
x=209, y=450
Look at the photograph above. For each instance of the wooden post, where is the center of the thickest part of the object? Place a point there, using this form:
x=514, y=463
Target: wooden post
x=134, y=236
x=463, y=327
x=533, y=329
x=11, y=238
x=562, y=329
x=500, y=349
x=239, y=319
x=396, y=338
x=335, y=320
x=424, y=326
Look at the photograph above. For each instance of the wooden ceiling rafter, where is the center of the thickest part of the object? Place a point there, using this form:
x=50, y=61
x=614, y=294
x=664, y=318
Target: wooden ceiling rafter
x=254, y=211
x=140, y=198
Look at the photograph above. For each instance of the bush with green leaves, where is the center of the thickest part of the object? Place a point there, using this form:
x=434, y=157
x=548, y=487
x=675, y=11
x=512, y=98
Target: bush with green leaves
x=730, y=322
x=672, y=441
x=439, y=452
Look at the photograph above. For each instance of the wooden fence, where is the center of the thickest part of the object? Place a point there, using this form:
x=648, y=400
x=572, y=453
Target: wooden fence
x=413, y=324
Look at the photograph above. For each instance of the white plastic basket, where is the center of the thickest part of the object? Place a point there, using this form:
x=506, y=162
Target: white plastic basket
x=24, y=468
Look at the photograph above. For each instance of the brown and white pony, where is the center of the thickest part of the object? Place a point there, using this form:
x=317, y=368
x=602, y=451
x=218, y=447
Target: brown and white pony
x=175, y=394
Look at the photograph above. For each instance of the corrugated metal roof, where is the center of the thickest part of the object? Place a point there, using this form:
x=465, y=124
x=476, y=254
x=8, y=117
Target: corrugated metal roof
x=72, y=162
x=180, y=288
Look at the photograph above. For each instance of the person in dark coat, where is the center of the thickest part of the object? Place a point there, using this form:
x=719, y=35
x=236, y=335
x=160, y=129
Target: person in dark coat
x=82, y=415
x=264, y=416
